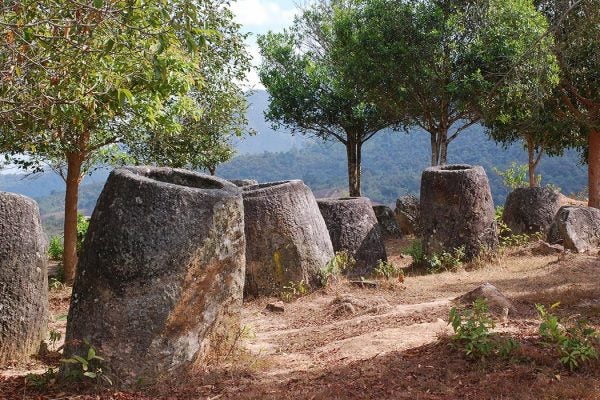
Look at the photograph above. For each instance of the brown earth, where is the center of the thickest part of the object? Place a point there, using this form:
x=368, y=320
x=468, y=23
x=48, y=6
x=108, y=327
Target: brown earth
x=390, y=342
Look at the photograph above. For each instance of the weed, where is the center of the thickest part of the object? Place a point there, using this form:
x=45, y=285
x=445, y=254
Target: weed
x=89, y=366
x=506, y=236
x=55, y=336
x=388, y=270
x=574, y=342
x=293, y=290
x=341, y=262
x=41, y=381
x=82, y=226
x=445, y=261
x=56, y=248
x=416, y=252
x=472, y=332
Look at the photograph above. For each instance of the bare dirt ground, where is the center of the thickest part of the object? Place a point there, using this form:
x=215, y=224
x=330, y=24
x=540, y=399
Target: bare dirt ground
x=390, y=342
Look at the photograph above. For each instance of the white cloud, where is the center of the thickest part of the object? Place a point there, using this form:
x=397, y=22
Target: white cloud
x=262, y=14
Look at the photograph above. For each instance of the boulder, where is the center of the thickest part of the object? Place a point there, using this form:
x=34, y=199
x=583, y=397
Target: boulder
x=499, y=305
x=576, y=228
x=159, y=284
x=542, y=248
x=244, y=182
x=387, y=222
x=531, y=210
x=286, y=237
x=457, y=210
x=23, y=278
x=407, y=214
x=353, y=228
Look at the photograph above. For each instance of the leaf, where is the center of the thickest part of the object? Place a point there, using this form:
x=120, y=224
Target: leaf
x=90, y=374
x=98, y=3
x=91, y=353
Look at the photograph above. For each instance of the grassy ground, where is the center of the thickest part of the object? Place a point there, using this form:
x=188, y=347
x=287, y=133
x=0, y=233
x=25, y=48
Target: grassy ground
x=390, y=342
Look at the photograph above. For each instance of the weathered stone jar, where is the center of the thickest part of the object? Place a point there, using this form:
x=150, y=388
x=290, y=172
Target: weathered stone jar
x=159, y=285
x=531, y=210
x=353, y=228
x=23, y=278
x=457, y=210
x=286, y=237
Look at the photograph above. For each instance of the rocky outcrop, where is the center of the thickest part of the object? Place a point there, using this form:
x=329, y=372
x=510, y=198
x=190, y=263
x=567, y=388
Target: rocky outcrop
x=23, y=278
x=159, y=285
x=457, y=210
x=287, y=239
x=531, y=210
x=353, y=228
x=387, y=222
x=407, y=214
x=576, y=228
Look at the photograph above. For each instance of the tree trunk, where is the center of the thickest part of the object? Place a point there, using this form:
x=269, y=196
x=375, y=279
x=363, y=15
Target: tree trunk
x=594, y=168
x=353, y=151
x=74, y=163
x=443, y=140
x=435, y=154
x=531, y=162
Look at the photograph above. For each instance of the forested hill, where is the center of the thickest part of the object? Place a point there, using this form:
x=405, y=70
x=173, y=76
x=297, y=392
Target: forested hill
x=393, y=161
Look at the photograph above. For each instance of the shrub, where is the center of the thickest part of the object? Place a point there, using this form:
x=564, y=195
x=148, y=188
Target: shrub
x=293, y=290
x=388, y=270
x=472, y=332
x=56, y=248
x=575, y=342
x=416, y=252
x=82, y=227
x=341, y=262
x=90, y=366
x=445, y=261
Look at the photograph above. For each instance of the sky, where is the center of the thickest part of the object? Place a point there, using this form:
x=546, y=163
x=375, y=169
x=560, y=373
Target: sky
x=258, y=17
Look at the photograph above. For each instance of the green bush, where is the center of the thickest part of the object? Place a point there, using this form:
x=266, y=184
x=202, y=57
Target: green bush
x=575, y=342
x=56, y=248
x=82, y=227
x=445, y=261
x=91, y=366
x=416, y=252
x=472, y=332
x=341, y=262
x=388, y=270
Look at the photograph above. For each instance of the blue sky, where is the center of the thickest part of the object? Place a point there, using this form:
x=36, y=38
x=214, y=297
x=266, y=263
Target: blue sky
x=260, y=16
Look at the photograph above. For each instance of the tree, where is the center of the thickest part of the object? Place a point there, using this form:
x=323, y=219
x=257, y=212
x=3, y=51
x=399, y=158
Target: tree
x=444, y=63
x=309, y=95
x=81, y=77
x=576, y=29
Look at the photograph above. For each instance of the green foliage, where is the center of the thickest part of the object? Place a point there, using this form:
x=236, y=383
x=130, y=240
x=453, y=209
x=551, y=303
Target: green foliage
x=515, y=176
x=415, y=250
x=388, y=270
x=41, y=381
x=91, y=366
x=82, y=226
x=293, y=290
x=340, y=263
x=575, y=342
x=507, y=238
x=445, y=261
x=473, y=332
x=56, y=249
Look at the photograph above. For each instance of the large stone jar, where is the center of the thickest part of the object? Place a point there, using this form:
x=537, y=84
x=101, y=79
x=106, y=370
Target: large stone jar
x=23, y=278
x=353, y=228
x=286, y=237
x=531, y=210
x=457, y=210
x=159, y=285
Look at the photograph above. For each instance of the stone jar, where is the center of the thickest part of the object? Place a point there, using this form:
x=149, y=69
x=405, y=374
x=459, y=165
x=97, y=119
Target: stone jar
x=531, y=210
x=23, y=278
x=286, y=237
x=457, y=210
x=159, y=285
x=353, y=228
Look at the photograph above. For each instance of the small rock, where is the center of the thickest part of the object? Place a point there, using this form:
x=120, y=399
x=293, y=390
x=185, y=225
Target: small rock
x=499, y=305
x=345, y=309
x=276, y=306
x=542, y=248
x=365, y=284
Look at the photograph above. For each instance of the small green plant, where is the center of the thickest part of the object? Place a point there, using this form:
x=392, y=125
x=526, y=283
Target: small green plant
x=575, y=342
x=41, y=381
x=506, y=236
x=446, y=260
x=515, y=176
x=341, y=262
x=293, y=290
x=55, y=336
x=473, y=332
x=388, y=270
x=89, y=366
x=416, y=252
x=82, y=227
x=55, y=248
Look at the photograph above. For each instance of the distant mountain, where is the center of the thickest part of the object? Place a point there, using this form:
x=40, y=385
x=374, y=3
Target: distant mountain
x=392, y=166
